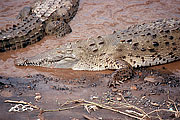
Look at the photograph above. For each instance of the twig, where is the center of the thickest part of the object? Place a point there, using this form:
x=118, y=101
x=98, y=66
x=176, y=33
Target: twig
x=134, y=112
x=122, y=97
x=177, y=114
x=158, y=110
x=92, y=103
x=159, y=116
x=112, y=109
x=89, y=118
x=22, y=102
x=83, y=102
x=72, y=101
x=172, y=102
x=127, y=105
x=63, y=109
x=98, y=105
x=140, y=110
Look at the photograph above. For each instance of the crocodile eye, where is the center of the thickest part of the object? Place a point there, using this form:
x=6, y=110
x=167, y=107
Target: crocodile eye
x=69, y=51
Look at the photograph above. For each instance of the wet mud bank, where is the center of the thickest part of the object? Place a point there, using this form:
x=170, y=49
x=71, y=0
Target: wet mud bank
x=94, y=18
x=150, y=89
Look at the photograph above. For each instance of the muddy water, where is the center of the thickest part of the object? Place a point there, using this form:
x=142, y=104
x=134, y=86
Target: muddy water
x=95, y=17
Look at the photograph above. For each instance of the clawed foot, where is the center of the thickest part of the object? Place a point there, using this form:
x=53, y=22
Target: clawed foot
x=119, y=76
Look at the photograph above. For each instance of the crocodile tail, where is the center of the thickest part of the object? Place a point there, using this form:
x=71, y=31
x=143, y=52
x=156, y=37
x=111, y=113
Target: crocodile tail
x=28, y=31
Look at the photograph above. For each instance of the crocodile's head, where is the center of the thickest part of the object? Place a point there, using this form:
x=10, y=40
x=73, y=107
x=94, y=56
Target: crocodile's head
x=62, y=57
x=91, y=54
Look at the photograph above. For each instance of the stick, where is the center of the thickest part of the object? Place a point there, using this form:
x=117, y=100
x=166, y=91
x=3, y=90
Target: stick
x=112, y=109
x=22, y=102
x=63, y=109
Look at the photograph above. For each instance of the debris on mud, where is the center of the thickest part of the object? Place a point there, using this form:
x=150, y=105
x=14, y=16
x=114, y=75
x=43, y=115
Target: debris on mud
x=150, y=94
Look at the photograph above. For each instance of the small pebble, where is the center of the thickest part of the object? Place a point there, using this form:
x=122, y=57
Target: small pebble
x=154, y=104
x=37, y=96
x=133, y=87
x=119, y=98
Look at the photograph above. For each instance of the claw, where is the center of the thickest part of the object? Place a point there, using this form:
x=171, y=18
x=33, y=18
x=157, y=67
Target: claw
x=121, y=75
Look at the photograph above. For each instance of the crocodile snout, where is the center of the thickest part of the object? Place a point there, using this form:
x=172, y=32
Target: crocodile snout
x=21, y=61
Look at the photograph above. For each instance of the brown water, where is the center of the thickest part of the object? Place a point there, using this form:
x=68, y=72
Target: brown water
x=95, y=17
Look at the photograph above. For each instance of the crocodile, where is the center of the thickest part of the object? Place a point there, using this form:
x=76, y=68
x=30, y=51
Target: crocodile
x=44, y=17
x=146, y=44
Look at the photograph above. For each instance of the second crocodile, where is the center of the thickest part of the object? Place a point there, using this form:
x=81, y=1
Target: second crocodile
x=44, y=17
x=146, y=44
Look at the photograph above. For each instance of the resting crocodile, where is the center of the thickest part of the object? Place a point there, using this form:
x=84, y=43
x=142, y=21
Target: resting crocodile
x=145, y=44
x=45, y=17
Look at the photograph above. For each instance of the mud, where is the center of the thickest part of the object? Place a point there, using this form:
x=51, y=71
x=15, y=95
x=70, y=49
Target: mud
x=97, y=17
x=148, y=90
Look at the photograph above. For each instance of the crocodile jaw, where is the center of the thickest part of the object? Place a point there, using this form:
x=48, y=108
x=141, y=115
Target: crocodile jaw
x=54, y=59
x=58, y=63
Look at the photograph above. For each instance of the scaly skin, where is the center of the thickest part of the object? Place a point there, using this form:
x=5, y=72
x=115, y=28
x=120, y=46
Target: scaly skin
x=146, y=44
x=45, y=17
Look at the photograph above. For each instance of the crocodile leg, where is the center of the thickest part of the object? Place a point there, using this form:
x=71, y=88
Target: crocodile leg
x=122, y=74
x=58, y=28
